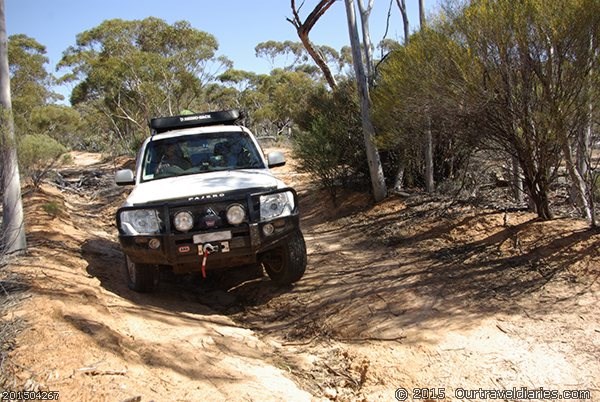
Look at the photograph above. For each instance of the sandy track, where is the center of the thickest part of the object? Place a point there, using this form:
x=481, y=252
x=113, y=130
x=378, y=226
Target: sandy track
x=396, y=295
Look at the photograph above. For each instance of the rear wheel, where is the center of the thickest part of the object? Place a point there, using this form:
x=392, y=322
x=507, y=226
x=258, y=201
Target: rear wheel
x=287, y=263
x=142, y=277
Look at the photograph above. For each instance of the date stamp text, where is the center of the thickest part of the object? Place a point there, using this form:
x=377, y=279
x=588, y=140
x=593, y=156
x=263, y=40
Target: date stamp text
x=29, y=396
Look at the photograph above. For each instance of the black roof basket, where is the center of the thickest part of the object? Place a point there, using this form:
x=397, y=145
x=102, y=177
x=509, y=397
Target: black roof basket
x=162, y=124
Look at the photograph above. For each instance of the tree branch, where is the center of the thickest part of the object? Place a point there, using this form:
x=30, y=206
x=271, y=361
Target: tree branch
x=303, y=29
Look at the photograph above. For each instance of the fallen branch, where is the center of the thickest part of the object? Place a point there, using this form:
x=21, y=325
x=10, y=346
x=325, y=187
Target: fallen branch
x=68, y=188
x=342, y=374
x=94, y=371
x=311, y=340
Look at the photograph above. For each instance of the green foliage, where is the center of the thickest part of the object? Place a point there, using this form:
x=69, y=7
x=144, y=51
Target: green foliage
x=241, y=79
x=38, y=153
x=595, y=186
x=292, y=56
x=388, y=45
x=498, y=74
x=62, y=123
x=129, y=71
x=285, y=94
x=66, y=159
x=272, y=50
x=419, y=88
x=271, y=101
x=536, y=56
x=30, y=82
x=52, y=208
x=319, y=155
x=330, y=143
x=126, y=72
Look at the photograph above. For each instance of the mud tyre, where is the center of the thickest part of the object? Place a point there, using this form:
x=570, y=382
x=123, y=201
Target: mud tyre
x=287, y=263
x=142, y=278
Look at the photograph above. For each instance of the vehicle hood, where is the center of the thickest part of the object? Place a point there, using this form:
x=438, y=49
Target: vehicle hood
x=185, y=187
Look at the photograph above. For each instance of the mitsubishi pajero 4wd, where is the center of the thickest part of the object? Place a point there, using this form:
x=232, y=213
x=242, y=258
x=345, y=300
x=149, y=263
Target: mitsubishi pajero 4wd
x=204, y=199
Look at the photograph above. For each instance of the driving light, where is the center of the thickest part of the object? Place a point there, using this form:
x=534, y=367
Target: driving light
x=276, y=205
x=140, y=221
x=183, y=221
x=236, y=214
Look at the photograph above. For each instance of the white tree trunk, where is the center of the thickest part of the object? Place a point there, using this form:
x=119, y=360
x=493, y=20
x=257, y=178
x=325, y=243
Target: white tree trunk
x=365, y=12
x=422, y=13
x=13, y=228
x=405, y=24
x=399, y=181
x=583, y=145
x=401, y=167
x=578, y=183
x=577, y=166
x=517, y=182
x=582, y=153
x=585, y=140
x=584, y=137
x=375, y=169
x=429, y=182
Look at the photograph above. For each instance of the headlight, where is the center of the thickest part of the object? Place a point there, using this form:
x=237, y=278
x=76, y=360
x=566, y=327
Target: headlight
x=183, y=221
x=276, y=205
x=140, y=221
x=235, y=214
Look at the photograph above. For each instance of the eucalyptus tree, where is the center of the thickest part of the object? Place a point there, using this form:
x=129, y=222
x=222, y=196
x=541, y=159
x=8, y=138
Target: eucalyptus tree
x=293, y=56
x=292, y=53
x=133, y=70
x=42, y=128
x=13, y=224
x=378, y=184
x=363, y=75
x=30, y=81
x=284, y=95
x=61, y=123
x=240, y=79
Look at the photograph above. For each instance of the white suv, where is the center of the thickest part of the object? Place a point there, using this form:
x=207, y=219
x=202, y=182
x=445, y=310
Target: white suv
x=204, y=199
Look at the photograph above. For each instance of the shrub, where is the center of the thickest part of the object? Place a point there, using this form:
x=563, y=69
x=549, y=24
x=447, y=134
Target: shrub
x=52, y=208
x=330, y=144
x=38, y=154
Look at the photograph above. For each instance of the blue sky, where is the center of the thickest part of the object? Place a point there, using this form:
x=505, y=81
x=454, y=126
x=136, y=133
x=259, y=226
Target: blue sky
x=238, y=25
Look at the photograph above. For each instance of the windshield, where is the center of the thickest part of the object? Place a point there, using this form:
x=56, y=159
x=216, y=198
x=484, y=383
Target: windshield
x=198, y=154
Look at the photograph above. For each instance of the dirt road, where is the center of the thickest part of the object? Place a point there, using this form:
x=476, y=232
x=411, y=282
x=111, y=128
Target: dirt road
x=409, y=293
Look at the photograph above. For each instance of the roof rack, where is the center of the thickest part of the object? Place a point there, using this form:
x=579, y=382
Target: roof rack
x=162, y=124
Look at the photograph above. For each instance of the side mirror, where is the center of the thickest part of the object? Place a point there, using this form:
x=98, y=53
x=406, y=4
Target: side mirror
x=275, y=159
x=124, y=177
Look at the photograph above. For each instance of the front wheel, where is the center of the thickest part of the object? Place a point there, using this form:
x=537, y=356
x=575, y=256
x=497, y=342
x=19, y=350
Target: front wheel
x=286, y=264
x=142, y=277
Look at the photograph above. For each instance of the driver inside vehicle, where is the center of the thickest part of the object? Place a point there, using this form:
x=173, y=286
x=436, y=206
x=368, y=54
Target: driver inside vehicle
x=173, y=160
